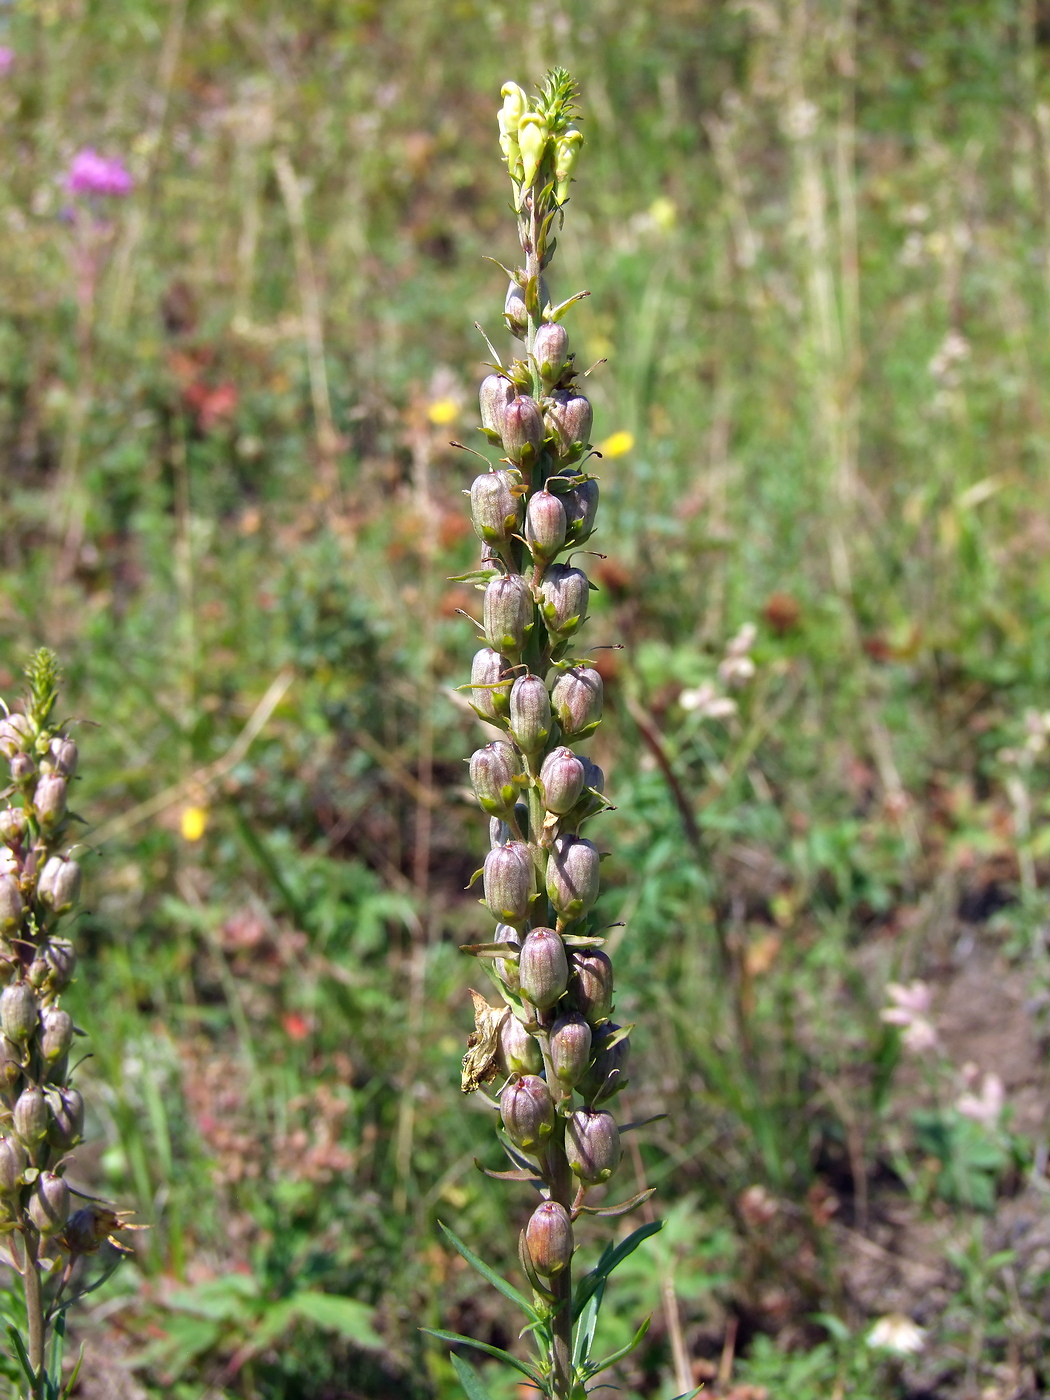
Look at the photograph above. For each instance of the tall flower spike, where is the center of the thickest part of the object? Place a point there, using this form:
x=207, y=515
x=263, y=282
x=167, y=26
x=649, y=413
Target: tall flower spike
x=556, y=1046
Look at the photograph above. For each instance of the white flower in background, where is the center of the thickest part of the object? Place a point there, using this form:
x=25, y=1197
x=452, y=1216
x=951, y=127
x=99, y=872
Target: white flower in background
x=898, y=1334
x=736, y=667
x=985, y=1107
x=954, y=348
x=911, y=1011
x=1037, y=729
x=708, y=702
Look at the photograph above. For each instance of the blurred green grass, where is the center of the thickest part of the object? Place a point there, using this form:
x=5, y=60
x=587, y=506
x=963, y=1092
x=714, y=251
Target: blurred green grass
x=817, y=239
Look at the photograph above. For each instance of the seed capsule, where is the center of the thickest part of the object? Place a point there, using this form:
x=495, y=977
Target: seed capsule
x=608, y=1074
x=568, y=418
x=564, y=595
x=49, y=1203
x=592, y=1145
x=509, y=613
x=590, y=801
x=509, y=882
x=581, y=507
x=49, y=799
x=30, y=1116
x=576, y=698
x=23, y=769
x=570, y=1047
x=19, y=1012
x=61, y=961
x=522, y=429
x=543, y=969
x=13, y=1162
x=66, y=1127
x=15, y=731
x=496, y=509
x=530, y=713
x=59, y=884
x=591, y=985
x=507, y=968
x=57, y=1034
x=10, y=1064
x=11, y=906
x=551, y=351
x=545, y=525
x=515, y=312
x=63, y=756
x=518, y=1052
x=491, y=692
x=561, y=780
x=573, y=875
x=494, y=774
x=548, y=1238
x=12, y=826
x=527, y=1110
x=496, y=392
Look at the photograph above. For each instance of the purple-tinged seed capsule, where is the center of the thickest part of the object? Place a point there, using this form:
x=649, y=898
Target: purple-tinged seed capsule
x=573, y=875
x=12, y=826
x=61, y=960
x=23, y=769
x=496, y=509
x=58, y=1071
x=9, y=969
x=570, y=1047
x=509, y=881
x=491, y=692
x=548, y=1238
x=13, y=1162
x=607, y=1075
x=10, y=1064
x=15, y=732
x=57, y=1033
x=66, y=1126
x=530, y=714
x=49, y=799
x=495, y=771
x=522, y=429
x=30, y=1117
x=590, y=802
x=551, y=351
x=59, y=884
x=499, y=833
x=568, y=418
x=576, y=698
x=507, y=968
x=63, y=756
x=49, y=1203
x=543, y=968
x=508, y=614
x=546, y=522
x=495, y=393
x=19, y=1012
x=581, y=507
x=591, y=985
x=527, y=1111
x=11, y=906
x=592, y=1145
x=518, y=1052
x=564, y=595
x=515, y=312
x=561, y=780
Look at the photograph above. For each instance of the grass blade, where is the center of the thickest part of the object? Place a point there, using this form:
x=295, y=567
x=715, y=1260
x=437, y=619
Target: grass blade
x=507, y=1289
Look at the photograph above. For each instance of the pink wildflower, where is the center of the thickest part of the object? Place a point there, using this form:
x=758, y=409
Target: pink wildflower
x=986, y=1107
x=7, y=58
x=910, y=1011
x=91, y=174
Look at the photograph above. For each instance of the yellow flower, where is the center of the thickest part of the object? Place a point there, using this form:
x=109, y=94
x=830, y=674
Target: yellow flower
x=663, y=213
x=618, y=445
x=194, y=821
x=442, y=412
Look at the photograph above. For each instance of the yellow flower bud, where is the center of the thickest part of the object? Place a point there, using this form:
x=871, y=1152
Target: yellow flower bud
x=513, y=109
x=566, y=153
x=532, y=140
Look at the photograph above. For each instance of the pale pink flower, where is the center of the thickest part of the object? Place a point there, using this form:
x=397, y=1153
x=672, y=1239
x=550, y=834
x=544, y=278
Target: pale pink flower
x=707, y=702
x=987, y=1106
x=910, y=1011
x=7, y=58
x=92, y=174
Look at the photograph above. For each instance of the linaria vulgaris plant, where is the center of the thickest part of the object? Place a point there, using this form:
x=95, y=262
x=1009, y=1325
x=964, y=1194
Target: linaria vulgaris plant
x=553, y=1044
x=41, y=1112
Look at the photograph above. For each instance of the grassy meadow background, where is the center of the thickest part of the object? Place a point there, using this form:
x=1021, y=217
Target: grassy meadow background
x=816, y=235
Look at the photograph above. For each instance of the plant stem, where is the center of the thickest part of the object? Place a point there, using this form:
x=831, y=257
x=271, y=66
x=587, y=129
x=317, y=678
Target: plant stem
x=34, y=1295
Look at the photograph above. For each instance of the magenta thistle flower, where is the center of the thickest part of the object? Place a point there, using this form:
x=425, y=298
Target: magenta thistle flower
x=91, y=174
x=7, y=58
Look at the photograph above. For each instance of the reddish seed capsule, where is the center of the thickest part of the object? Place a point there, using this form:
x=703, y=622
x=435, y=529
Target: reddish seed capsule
x=507, y=968
x=30, y=1116
x=63, y=755
x=551, y=351
x=66, y=1126
x=23, y=769
x=515, y=312
x=573, y=876
x=49, y=1203
x=508, y=613
x=496, y=509
x=592, y=1145
x=59, y=884
x=19, y=1012
x=13, y=1162
x=61, y=961
x=548, y=1238
x=527, y=1111
x=581, y=506
x=494, y=771
x=509, y=882
x=11, y=906
x=491, y=694
x=522, y=428
x=56, y=1033
x=561, y=780
x=49, y=799
x=494, y=395
x=564, y=596
x=518, y=1051
x=530, y=713
x=543, y=968
x=12, y=826
x=591, y=985
x=607, y=1075
x=15, y=733
x=545, y=525
x=576, y=699
x=568, y=418
x=570, y=1047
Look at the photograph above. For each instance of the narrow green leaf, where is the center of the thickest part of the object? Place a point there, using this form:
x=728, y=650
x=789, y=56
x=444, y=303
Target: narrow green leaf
x=22, y=1354
x=612, y=1359
x=585, y=1329
x=641, y=1123
x=497, y=1352
x=624, y=1206
x=468, y=1378
x=608, y=1262
x=71, y=1383
x=507, y=1289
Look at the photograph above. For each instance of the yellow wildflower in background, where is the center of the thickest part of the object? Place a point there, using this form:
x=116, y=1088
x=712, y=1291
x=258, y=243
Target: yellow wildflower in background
x=194, y=822
x=442, y=412
x=618, y=445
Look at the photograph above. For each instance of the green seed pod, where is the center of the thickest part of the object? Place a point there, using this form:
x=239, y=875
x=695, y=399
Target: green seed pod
x=496, y=392
x=11, y=906
x=545, y=525
x=592, y=1145
x=522, y=429
x=591, y=985
x=30, y=1117
x=57, y=1034
x=15, y=734
x=570, y=1047
x=561, y=780
x=509, y=613
x=59, y=884
x=495, y=773
x=568, y=419
x=551, y=351
x=12, y=826
x=62, y=756
x=491, y=692
x=564, y=595
x=507, y=968
x=608, y=1074
x=509, y=882
x=576, y=698
x=518, y=1052
x=527, y=1111
x=496, y=509
x=543, y=969
x=515, y=312
x=13, y=1162
x=49, y=1203
x=573, y=876
x=10, y=1064
x=38, y=974
x=548, y=1238
x=66, y=1126
x=49, y=799
x=19, y=1012
x=530, y=714
x=61, y=960
x=581, y=507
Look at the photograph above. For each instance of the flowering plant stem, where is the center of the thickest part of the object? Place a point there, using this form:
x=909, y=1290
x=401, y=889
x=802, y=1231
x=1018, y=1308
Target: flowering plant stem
x=552, y=1041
